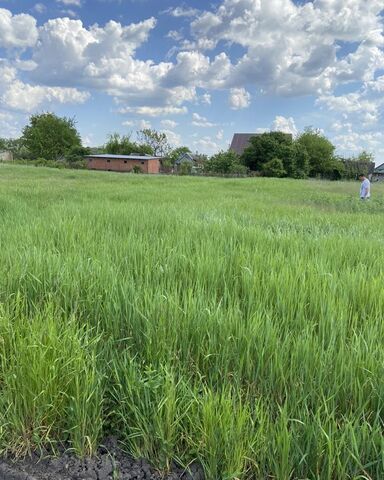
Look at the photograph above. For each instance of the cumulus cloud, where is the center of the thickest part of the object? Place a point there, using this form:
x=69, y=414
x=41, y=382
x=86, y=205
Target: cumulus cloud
x=39, y=8
x=182, y=11
x=18, y=31
x=169, y=124
x=283, y=124
x=206, y=145
x=174, y=138
x=239, y=98
x=199, y=121
x=25, y=97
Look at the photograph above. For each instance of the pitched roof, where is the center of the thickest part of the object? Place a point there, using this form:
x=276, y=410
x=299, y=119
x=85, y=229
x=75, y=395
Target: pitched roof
x=124, y=157
x=240, y=142
x=379, y=169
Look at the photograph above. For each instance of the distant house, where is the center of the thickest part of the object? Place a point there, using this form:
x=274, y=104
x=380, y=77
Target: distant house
x=240, y=142
x=6, y=156
x=378, y=173
x=124, y=163
x=191, y=159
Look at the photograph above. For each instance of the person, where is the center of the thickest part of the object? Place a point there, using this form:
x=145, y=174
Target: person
x=365, y=189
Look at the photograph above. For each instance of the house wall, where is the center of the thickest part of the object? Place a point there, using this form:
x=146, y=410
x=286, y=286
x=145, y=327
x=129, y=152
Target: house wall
x=6, y=156
x=121, y=165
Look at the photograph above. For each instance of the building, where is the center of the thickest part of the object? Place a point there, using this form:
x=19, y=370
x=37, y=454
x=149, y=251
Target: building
x=378, y=173
x=124, y=163
x=193, y=160
x=6, y=156
x=240, y=142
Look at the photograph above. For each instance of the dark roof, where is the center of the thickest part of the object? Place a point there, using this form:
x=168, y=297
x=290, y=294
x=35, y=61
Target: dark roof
x=240, y=142
x=187, y=156
x=379, y=169
x=124, y=157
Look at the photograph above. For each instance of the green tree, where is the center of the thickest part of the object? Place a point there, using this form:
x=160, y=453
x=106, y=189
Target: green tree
x=157, y=141
x=49, y=136
x=320, y=153
x=301, y=165
x=123, y=145
x=268, y=146
x=274, y=168
x=225, y=162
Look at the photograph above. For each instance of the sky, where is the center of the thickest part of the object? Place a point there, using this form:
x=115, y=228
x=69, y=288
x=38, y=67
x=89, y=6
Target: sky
x=197, y=70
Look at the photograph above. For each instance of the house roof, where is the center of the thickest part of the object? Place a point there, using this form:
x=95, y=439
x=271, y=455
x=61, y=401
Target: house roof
x=240, y=142
x=124, y=157
x=191, y=157
x=379, y=169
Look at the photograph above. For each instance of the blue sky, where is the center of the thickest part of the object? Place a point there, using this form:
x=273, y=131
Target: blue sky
x=199, y=71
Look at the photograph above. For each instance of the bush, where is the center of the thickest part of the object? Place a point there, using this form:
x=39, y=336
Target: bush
x=274, y=168
x=136, y=169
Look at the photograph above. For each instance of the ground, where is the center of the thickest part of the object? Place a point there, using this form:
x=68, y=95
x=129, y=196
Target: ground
x=232, y=323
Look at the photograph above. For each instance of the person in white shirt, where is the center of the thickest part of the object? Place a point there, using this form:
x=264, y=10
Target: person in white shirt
x=365, y=188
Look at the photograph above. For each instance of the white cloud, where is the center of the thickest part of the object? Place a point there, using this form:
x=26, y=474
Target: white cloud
x=144, y=124
x=206, y=99
x=18, y=31
x=39, y=8
x=199, y=121
x=220, y=135
x=283, y=124
x=69, y=12
x=169, y=124
x=206, y=145
x=182, y=11
x=239, y=98
x=25, y=97
x=155, y=111
x=174, y=138
x=76, y=3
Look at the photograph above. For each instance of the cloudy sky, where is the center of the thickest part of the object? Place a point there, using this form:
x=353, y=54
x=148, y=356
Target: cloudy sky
x=198, y=70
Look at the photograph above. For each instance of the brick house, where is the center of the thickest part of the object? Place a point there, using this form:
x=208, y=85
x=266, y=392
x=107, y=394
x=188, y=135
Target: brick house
x=124, y=163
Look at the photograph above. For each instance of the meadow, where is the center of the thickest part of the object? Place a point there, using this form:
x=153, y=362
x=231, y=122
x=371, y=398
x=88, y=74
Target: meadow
x=233, y=322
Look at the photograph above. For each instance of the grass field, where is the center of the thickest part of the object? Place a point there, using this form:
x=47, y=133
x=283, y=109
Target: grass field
x=236, y=322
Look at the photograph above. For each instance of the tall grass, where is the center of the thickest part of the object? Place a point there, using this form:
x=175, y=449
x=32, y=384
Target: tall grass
x=233, y=322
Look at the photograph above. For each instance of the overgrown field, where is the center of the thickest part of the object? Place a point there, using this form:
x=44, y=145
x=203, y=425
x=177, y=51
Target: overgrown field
x=236, y=322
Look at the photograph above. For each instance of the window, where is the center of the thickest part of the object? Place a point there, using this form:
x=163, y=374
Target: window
x=142, y=163
x=108, y=161
x=125, y=161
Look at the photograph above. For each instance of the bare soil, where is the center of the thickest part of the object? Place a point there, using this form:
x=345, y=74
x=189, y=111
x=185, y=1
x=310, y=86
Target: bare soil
x=110, y=464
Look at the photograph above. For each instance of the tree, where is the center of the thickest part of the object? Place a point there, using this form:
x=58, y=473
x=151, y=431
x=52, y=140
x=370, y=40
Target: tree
x=49, y=136
x=157, y=141
x=274, y=168
x=122, y=145
x=225, y=162
x=320, y=153
x=363, y=163
x=268, y=146
x=301, y=167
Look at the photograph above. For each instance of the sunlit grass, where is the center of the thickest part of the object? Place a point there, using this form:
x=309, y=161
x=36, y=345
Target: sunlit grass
x=233, y=322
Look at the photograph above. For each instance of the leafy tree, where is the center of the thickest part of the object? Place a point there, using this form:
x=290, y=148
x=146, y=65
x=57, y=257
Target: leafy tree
x=123, y=145
x=320, y=152
x=157, y=141
x=301, y=166
x=266, y=147
x=363, y=163
x=49, y=136
x=274, y=168
x=225, y=162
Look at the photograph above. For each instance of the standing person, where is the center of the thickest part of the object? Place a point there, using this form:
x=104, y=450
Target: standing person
x=365, y=189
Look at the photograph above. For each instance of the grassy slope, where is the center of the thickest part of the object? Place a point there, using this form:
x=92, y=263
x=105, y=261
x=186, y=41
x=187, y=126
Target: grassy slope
x=234, y=321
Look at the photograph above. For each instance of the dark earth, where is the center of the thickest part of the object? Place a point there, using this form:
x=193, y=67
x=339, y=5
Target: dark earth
x=110, y=464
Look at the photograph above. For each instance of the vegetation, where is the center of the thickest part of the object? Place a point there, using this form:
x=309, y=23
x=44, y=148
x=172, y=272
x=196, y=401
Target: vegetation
x=226, y=163
x=49, y=136
x=236, y=322
x=123, y=145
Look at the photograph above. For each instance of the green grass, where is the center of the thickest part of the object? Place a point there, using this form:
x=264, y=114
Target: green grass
x=238, y=323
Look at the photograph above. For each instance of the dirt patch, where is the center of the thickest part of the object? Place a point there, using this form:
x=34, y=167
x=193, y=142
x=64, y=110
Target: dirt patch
x=110, y=464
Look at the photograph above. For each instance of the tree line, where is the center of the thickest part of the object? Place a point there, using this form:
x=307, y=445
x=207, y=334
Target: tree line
x=55, y=141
